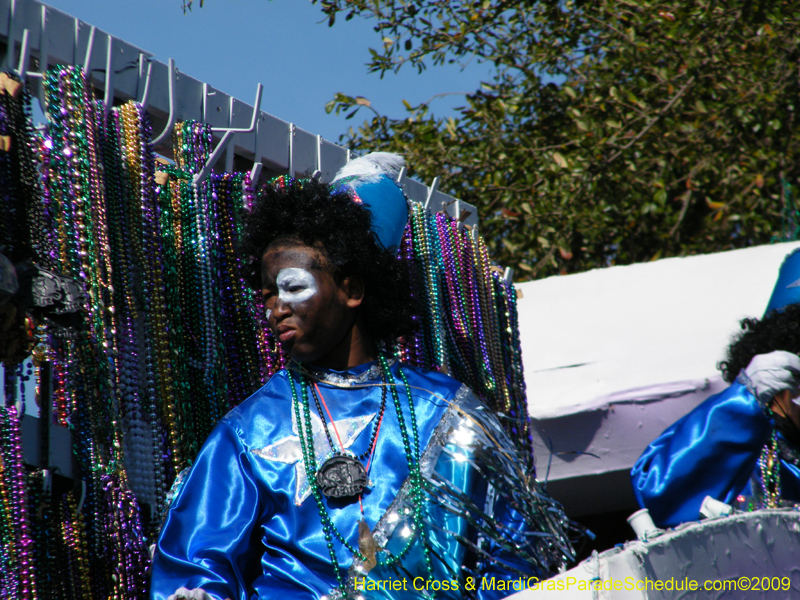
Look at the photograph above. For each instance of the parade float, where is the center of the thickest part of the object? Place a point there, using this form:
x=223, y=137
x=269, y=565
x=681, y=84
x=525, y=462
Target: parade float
x=96, y=427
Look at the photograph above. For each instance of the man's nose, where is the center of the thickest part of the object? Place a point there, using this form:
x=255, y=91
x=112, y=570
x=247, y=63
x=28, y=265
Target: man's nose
x=279, y=308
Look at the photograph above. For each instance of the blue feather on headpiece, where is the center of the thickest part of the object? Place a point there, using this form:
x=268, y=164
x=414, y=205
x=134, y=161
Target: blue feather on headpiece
x=372, y=181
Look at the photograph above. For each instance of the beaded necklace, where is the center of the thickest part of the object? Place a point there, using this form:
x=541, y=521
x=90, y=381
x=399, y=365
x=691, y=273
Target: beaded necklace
x=469, y=325
x=302, y=413
x=144, y=400
x=769, y=464
x=375, y=427
x=343, y=475
x=16, y=551
x=237, y=325
x=177, y=418
x=117, y=553
x=25, y=228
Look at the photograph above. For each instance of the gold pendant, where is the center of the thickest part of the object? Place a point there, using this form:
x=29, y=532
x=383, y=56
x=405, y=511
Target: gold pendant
x=367, y=546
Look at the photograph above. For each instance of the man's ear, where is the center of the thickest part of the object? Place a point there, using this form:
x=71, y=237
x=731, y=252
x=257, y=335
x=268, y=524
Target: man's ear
x=353, y=287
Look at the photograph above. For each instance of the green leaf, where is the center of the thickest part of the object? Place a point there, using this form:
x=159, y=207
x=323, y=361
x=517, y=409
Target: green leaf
x=560, y=160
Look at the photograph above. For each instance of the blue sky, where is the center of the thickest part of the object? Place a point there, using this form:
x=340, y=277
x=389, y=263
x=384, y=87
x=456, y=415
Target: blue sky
x=284, y=44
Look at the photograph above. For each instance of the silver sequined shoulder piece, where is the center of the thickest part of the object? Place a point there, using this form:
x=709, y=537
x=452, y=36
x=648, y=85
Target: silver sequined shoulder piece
x=469, y=429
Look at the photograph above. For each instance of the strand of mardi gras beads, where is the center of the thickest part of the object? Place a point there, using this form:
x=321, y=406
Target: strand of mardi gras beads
x=15, y=532
x=190, y=423
x=201, y=234
x=487, y=308
x=79, y=190
x=238, y=328
x=425, y=249
x=178, y=420
x=465, y=367
x=75, y=574
x=123, y=226
x=46, y=546
x=25, y=229
x=769, y=465
x=469, y=322
x=412, y=349
x=146, y=470
x=210, y=223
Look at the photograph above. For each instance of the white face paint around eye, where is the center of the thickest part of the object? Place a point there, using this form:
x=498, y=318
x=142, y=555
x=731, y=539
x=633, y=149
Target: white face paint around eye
x=295, y=285
x=268, y=313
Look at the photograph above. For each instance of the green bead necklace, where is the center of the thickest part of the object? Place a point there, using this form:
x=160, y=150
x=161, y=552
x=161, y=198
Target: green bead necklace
x=411, y=447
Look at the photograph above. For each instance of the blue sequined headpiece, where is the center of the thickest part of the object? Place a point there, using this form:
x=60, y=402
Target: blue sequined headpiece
x=371, y=181
x=787, y=288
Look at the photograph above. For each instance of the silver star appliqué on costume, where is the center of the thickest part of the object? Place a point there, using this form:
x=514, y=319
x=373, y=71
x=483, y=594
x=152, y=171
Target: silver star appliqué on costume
x=288, y=450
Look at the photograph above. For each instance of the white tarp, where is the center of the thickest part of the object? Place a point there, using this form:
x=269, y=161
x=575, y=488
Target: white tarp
x=592, y=334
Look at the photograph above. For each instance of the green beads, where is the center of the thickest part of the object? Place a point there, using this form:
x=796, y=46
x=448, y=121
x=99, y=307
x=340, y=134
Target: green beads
x=412, y=451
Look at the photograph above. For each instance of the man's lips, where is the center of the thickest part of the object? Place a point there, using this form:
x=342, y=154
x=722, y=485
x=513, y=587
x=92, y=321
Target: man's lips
x=285, y=333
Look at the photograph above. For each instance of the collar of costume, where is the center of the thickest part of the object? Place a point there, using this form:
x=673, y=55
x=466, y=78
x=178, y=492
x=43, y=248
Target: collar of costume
x=359, y=375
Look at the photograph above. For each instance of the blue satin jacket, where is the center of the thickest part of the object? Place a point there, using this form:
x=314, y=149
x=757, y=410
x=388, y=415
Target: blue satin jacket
x=712, y=451
x=245, y=524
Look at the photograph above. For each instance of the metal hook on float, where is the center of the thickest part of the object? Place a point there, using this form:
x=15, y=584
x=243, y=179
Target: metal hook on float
x=171, y=93
x=108, y=93
x=431, y=192
x=228, y=134
x=146, y=92
x=21, y=67
x=87, y=58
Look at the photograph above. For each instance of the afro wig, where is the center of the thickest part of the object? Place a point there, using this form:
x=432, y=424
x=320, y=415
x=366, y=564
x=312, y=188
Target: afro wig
x=308, y=212
x=779, y=330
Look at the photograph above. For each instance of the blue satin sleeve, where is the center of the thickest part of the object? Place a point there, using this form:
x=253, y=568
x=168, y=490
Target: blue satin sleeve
x=211, y=525
x=712, y=451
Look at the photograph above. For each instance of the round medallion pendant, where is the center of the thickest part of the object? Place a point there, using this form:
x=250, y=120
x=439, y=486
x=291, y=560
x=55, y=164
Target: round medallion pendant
x=341, y=476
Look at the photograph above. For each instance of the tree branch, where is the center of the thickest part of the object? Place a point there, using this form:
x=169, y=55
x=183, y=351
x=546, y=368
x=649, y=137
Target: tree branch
x=655, y=119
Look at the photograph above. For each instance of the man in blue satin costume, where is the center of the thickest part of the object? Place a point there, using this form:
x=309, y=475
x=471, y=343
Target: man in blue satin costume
x=422, y=490
x=743, y=443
